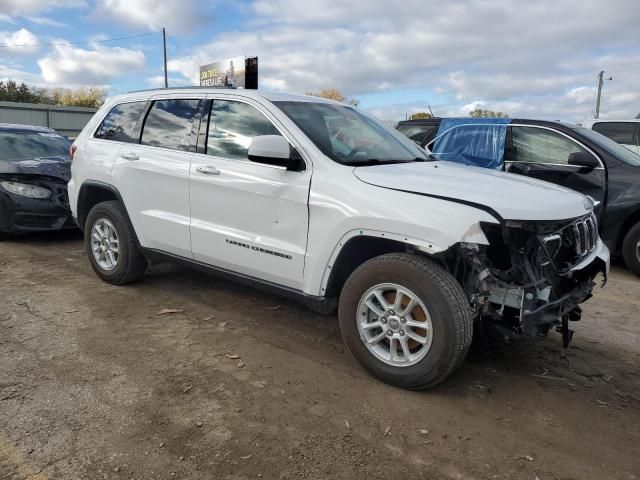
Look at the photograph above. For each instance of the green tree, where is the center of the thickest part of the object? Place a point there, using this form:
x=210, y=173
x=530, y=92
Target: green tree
x=482, y=113
x=420, y=116
x=335, y=94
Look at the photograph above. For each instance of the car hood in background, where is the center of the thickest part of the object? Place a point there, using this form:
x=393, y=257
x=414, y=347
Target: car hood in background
x=513, y=197
x=59, y=167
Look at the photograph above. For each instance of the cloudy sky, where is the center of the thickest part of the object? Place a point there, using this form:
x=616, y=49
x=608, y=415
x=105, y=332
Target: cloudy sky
x=529, y=59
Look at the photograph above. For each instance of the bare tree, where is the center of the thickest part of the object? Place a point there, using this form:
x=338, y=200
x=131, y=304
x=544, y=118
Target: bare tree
x=335, y=94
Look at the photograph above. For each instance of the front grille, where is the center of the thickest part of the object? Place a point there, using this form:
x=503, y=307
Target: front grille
x=585, y=231
x=567, y=244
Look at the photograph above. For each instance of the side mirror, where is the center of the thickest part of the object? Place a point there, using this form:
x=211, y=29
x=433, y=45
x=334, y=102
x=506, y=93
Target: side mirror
x=275, y=150
x=583, y=159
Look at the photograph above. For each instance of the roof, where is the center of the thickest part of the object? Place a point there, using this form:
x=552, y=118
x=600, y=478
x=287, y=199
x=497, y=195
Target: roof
x=32, y=128
x=271, y=96
x=591, y=121
x=485, y=120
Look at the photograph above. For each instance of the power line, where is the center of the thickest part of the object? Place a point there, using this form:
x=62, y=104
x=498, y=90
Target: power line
x=81, y=43
x=181, y=49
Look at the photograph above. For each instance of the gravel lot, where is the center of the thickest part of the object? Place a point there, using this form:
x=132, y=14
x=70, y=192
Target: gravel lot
x=232, y=383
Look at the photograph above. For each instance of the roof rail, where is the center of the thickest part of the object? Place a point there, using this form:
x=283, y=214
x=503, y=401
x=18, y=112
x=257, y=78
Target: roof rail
x=188, y=87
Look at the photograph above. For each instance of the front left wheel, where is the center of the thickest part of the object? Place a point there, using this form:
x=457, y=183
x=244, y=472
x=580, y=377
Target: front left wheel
x=111, y=244
x=406, y=319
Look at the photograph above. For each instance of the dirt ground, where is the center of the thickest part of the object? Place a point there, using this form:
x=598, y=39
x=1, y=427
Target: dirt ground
x=239, y=384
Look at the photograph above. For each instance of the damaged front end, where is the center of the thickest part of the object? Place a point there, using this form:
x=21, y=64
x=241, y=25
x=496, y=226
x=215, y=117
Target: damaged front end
x=533, y=275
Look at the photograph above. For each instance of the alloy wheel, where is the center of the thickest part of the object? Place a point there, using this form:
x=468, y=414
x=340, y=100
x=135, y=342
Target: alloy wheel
x=105, y=244
x=394, y=325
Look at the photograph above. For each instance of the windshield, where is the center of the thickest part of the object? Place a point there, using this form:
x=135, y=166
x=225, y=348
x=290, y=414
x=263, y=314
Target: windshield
x=349, y=137
x=615, y=149
x=23, y=144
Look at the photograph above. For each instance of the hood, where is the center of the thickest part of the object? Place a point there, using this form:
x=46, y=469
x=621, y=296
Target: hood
x=511, y=196
x=59, y=167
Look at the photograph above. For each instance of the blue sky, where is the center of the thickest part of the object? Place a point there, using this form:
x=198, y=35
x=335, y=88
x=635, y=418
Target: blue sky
x=534, y=59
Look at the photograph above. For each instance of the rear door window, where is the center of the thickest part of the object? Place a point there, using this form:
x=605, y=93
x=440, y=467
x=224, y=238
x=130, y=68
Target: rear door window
x=623, y=133
x=169, y=124
x=119, y=123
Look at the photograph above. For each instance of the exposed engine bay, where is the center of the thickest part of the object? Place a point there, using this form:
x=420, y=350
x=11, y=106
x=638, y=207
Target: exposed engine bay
x=532, y=275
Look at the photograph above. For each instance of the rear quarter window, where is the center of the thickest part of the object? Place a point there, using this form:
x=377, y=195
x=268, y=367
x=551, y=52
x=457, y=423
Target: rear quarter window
x=120, y=122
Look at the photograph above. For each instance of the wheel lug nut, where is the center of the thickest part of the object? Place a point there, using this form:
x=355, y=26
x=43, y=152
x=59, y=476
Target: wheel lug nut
x=403, y=320
x=383, y=320
x=389, y=332
x=401, y=332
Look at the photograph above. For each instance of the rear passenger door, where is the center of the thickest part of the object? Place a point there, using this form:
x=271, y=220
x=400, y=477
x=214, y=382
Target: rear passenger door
x=153, y=176
x=248, y=217
x=543, y=153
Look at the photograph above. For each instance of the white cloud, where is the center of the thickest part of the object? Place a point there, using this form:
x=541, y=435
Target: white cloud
x=46, y=21
x=533, y=58
x=75, y=66
x=23, y=7
x=8, y=72
x=16, y=40
x=178, y=16
x=157, y=81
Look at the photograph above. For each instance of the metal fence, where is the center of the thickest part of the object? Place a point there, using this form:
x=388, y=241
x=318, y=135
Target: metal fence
x=68, y=121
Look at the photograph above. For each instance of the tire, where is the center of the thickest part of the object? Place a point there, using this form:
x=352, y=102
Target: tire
x=4, y=236
x=441, y=295
x=631, y=249
x=129, y=264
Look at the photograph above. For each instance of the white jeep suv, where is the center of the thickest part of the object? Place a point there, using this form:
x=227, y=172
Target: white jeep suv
x=321, y=202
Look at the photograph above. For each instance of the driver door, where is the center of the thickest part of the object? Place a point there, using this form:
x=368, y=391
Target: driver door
x=247, y=217
x=543, y=153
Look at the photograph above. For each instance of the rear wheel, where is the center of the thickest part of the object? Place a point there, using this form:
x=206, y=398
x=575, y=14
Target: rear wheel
x=111, y=246
x=631, y=249
x=406, y=319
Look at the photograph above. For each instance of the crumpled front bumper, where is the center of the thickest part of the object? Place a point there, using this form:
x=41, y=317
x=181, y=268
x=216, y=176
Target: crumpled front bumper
x=599, y=259
x=21, y=214
x=541, y=307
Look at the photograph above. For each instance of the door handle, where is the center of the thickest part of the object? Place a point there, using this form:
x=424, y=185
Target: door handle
x=208, y=170
x=130, y=156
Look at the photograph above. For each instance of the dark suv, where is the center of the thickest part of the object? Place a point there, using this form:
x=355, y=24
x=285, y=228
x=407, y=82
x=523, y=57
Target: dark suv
x=557, y=152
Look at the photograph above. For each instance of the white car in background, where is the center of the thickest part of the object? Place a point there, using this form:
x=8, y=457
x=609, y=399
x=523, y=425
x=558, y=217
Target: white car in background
x=321, y=202
x=624, y=132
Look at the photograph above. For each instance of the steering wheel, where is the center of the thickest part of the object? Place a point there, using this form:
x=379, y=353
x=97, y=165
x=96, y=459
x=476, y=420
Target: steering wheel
x=355, y=151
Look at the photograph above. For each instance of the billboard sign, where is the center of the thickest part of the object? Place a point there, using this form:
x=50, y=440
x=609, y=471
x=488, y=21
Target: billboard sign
x=236, y=72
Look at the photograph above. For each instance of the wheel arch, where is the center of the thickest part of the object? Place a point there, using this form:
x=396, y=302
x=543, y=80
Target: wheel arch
x=94, y=192
x=359, y=246
x=627, y=225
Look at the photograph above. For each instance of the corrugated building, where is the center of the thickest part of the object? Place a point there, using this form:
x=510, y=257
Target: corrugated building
x=68, y=121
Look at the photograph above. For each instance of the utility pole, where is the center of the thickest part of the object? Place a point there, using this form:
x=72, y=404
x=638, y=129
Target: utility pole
x=601, y=80
x=164, y=47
